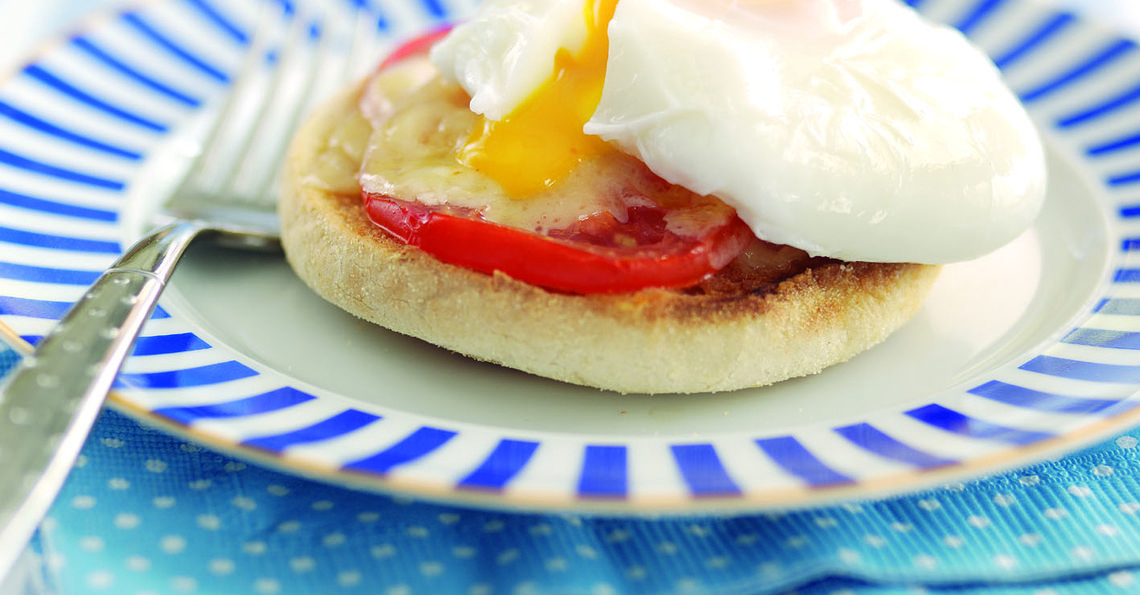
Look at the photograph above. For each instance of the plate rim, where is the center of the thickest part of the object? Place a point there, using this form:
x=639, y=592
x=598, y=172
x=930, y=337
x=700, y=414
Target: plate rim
x=748, y=502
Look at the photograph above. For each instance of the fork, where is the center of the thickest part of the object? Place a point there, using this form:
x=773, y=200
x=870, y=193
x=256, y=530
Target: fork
x=50, y=403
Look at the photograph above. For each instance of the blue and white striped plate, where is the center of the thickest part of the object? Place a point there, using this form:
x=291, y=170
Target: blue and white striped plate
x=1026, y=353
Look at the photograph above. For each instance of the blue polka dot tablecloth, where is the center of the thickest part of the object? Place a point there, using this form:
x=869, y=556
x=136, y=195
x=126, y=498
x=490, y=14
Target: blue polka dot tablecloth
x=144, y=513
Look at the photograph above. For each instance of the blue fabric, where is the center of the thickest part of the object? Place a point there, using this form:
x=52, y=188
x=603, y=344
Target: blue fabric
x=148, y=514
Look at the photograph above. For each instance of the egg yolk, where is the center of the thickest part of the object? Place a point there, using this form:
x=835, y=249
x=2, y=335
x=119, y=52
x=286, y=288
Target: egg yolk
x=541, y=141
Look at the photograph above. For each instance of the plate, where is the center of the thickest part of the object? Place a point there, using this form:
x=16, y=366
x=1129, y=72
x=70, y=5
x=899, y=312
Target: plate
x=1029, y=352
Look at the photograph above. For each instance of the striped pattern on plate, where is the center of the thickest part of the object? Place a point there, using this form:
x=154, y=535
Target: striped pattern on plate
x=80, y=123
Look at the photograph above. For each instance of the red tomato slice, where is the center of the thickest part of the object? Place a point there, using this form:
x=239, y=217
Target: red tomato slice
x=599, y=254
x=418, y=46
x=578, y=265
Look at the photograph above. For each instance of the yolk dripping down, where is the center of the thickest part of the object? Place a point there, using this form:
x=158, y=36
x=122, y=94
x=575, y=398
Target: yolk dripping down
x=541, y=141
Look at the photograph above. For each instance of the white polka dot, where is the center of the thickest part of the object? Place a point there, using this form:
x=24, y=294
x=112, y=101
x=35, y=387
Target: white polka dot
x=208, y=522
x=1082, y=552
x=493, y=526
x=368, y=517
x=1080, y=491
x=843, y=592
x=556, y=564
x=431, y=568
x=902, y=527
x=953, y=541
x=1005, y=561
x=302, y=564
x=49, y=523
x=163, y=502
x=1127, y=442
x=826, y=522
x=875, y=541
x=1129, y=507
x=190, y=447
x=666, y=547
x=506, y=557
x=622, y=536
x=636, y=573
x=1107, y=530
x=926, y=561
x=852, y=507
x=382, y=551
x=254, y=548
x=83, y=502
x=796, y=542
x=449, y=518
x=1122, y=579
x=979, y=522
x=349, y=578
x=479, y=589
x=540, y=529
x=137, y=564
x=221, y=566
x=172, y=544
x=54, y=561
x=245, y=503
x=1103, y=471
x=1004, y=500
x=699, y=531
x=586, y=551
x=1030, y=539
x=688, y=585
x=234, y=466
x=112, y=442
x=527, y=588
x=277, y=490
x=118, y=484
x=463, y=551
x=200, y=484
x=184, y=584
x=1055, y=513
x=398, y=590
x=771, y=569
x=127, y=520
x=603, y=589
x=323, y=505
x=91, y=544
x=717, y=563
x=746, y=539
x=266, y=586
x=100, y=580
x=418, y=532
x=155, y=466
x=81, y=461
x=334, y=540
x=289, y=527
x=847, y=555
x=1029, y=480
x=929, y=504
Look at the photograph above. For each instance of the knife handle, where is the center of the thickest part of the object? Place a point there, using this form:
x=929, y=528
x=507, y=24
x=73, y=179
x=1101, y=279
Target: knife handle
x=50, y=402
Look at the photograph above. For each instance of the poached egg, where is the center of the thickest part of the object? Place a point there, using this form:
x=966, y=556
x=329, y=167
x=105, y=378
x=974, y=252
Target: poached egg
x=851, y=129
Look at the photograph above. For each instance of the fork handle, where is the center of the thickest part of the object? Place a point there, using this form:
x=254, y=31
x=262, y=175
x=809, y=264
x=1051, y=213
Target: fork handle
x=51, y=401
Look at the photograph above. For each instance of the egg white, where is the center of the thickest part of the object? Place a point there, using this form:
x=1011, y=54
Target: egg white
x=851, y=129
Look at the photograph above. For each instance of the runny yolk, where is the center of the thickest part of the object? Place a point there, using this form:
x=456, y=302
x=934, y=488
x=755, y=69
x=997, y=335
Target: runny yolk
x=541, y=141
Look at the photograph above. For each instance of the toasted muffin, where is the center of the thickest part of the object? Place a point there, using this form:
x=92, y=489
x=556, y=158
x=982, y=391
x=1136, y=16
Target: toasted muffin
x=771, y=314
